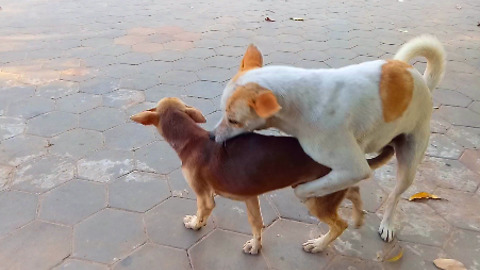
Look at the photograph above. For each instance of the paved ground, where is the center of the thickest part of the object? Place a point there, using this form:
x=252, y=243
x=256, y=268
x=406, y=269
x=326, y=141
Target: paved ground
x=85, y=188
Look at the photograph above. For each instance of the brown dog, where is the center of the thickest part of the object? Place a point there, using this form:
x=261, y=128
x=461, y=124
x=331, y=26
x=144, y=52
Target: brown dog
x=245, y=167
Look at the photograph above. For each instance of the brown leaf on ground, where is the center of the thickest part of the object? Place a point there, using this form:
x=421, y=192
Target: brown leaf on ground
x=449, y=264
x=423, y=196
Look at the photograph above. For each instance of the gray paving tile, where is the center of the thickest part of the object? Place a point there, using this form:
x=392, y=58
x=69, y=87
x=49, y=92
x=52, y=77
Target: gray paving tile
x=42, y=174
x=465, y=136
x=464, y=246
x=204, y=89
x=123, y=98
x=451, y=98
x=471, y=160
x=139, y=81
x=203, y=254
x=475, y=107
x=129, y=136
x=151, y=256
x=100, y=85
x=164, y=224
x=72, y=202
x=16, y=93
x=76, y=143
x=57, y=89
x=458, y=208
x=16, y=209
x=179, y=78
x=443, y=147
x=74, y=264
x=460, y=116
x=30, y=107
x=10, y=127
x=438, y=124
x=6, y=174
x=204, y=105
x=105, y=165
x=215, y=74
x=289, y=206
x=52, y=123
x=55, y=242
x=108, y=236
x=415, y=256
x=282, y=246
x=138, y=191
x=343, y=262
x=102, y=118
x=22, y=148
x=179, y=186
x=78, y=103
x=158, y=157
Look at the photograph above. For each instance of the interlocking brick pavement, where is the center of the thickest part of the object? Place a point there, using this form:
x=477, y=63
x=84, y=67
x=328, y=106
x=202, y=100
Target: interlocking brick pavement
x=82, y=187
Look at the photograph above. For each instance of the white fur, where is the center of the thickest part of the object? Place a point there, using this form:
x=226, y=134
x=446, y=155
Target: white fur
x=337, y=116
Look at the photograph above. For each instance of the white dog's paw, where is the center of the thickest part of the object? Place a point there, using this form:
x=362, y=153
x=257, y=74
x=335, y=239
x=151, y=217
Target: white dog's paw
x=387, y=232
x=252, y=246
x=191, y=222
x=314, y=245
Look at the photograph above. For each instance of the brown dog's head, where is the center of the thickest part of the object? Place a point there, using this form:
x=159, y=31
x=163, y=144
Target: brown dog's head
x=246, y=106
x=154, y=115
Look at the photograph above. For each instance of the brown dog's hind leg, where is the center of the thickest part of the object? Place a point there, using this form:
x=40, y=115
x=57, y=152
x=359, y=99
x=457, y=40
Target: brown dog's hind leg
x=255, y=218
x=325, y=209
x=205, y=205
x=353, y=195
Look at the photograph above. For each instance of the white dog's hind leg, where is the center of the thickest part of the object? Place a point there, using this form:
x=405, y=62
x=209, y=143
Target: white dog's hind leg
x=409, y=152
x=346, y=159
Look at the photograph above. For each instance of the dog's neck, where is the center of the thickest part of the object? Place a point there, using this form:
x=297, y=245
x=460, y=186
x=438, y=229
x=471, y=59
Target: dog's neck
x=180, y=131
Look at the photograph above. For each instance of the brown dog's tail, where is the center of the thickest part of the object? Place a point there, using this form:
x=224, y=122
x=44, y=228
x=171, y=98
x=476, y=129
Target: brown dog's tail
x=382, y=158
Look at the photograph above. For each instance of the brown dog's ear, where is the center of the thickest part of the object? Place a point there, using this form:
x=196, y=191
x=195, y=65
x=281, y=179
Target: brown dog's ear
x=146, y=118
x=252, y=58
x=265, y=104
x=196, y=115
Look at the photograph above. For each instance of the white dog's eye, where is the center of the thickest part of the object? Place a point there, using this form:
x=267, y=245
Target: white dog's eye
x=233, y=122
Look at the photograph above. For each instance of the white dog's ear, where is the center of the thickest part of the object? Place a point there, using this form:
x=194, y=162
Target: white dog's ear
x=265, y=104
x=252, y=58
x=146, y=118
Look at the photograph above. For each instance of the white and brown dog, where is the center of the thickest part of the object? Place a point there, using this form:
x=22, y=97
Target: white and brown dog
x=339, y=115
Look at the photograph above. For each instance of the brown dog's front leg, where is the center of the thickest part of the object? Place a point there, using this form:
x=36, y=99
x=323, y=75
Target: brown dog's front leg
x=205, y=205
x=253, y=245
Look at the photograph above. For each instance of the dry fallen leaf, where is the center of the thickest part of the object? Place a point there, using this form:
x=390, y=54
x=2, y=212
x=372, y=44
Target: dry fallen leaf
x=423, y=196
x=396, y=257
x=449, y=264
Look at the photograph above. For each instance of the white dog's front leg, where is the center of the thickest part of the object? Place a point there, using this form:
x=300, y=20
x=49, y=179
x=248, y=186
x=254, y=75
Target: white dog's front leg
x=348, y=164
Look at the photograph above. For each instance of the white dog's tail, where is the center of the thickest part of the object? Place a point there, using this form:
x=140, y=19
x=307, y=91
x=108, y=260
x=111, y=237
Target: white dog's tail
x=430, y=48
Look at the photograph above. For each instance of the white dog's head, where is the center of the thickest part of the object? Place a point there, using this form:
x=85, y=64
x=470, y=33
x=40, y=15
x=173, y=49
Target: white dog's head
x=245, y=107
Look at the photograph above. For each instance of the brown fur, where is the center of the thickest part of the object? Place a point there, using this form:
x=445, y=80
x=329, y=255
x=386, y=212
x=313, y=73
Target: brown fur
x=396, y=89
x=245, y=167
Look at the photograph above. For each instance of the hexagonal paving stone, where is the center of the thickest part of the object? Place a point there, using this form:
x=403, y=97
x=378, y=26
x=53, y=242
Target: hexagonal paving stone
x=129, y=136
x=6, y=173
x=158, y=157
x=43, y=174
x=10, y=127
x=443, y=147
x=232, y=215
x=74, y=264
x=420, y=224
x=438, y=124
x=165, y=224
x=16, y=210
x=447, y=173
x=123, y=98
x=108, y=236
x=156, y=93
x=452, y=98
x=105, y=165
x=460, y=116
x=79, y=102
x=282, y=246
x=364, y=242
x=100, y=85
x=204, y=89
x=212, y=120
x=475, y=106
x=372, y=195
x=467, y=137
x=102, y=118
x=55, y=241
x=214, y=74
x=204, y=105
x=139, y=82
x=52, y=123
x=204, y=255
x=138, y=191
x=57, y=89
x=22, y=148
x=151, y=256
x=465, y=246
x=13, y=94
x=76, y=143
x=30, y=107
x=471, y=160
x=72, y=202
x=180, y=78
x=179, y=185
x=458, y=208
x=415, y=256
x=289, y=206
